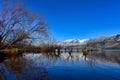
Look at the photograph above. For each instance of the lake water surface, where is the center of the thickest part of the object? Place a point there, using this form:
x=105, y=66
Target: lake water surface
x=103, y=65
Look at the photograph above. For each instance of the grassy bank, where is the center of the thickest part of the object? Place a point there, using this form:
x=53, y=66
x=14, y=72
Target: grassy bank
x=9, y=52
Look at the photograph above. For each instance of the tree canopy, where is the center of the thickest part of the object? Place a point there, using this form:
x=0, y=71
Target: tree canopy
x=17, y=23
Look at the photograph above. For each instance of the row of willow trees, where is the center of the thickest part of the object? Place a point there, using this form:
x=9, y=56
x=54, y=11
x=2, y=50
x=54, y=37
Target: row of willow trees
x=19, y=26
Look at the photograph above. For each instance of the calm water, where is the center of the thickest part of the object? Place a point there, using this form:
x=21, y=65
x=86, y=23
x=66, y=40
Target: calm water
x=103, y=65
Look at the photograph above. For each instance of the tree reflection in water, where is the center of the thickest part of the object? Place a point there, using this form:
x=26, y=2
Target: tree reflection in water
x=23, y=68
x=70, y=56
x=88, y=59
x=85, y=53
x=34, y=66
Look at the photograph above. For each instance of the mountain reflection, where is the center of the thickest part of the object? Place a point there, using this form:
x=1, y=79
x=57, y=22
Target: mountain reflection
x=34, y=66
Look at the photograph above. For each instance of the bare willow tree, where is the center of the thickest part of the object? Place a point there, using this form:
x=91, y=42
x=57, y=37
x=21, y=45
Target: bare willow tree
x=17, y=23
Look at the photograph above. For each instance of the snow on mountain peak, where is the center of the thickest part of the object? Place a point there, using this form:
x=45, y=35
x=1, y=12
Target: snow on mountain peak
x=74, y=41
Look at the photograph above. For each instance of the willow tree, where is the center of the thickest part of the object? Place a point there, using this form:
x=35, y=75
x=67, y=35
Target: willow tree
x=17, y=23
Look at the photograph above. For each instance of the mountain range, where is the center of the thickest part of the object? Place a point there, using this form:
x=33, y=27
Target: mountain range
x=101, y=42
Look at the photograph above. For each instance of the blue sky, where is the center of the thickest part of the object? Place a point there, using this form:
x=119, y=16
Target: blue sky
x=79, y=18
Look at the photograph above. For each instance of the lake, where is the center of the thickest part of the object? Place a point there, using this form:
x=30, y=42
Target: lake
x=101, y=65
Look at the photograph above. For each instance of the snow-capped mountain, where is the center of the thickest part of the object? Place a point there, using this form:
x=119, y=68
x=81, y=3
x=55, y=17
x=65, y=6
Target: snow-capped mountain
x=72, y=42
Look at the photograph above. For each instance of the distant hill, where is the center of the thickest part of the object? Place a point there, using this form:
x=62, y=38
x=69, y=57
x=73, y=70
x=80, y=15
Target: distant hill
x=105, y=42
